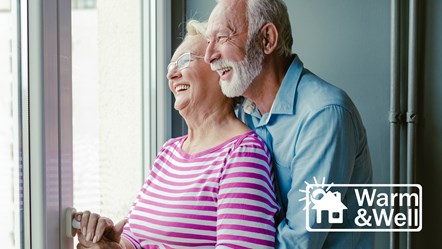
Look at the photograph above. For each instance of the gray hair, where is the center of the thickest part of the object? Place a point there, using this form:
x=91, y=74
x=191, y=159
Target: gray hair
x=260, y=12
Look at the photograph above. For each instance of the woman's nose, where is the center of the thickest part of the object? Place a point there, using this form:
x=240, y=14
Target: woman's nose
x=173, y=73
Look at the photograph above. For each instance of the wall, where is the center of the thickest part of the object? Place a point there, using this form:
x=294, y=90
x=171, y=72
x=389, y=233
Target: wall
x=429, y=168
x=347, y=42
x=199, y=9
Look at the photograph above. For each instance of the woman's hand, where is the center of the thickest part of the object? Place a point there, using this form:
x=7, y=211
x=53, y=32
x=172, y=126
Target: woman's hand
x=102, y=244
x=98, y=232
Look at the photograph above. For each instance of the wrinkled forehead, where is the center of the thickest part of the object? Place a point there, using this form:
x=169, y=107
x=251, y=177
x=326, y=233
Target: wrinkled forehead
x=195, y=44
x=228, y=15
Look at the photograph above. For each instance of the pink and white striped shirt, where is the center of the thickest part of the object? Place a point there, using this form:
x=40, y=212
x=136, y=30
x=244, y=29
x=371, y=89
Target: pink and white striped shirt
x=219, y=198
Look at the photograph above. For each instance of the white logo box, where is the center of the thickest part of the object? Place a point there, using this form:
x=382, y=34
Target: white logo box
x=417, y=187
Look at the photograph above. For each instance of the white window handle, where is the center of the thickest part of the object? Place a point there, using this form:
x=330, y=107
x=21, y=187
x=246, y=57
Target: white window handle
x=71, y=223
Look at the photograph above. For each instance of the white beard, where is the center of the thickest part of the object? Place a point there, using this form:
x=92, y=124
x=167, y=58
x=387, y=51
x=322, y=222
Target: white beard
x=244, y=72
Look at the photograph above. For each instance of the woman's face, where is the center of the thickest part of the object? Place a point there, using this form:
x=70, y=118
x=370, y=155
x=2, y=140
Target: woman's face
x=195, y=86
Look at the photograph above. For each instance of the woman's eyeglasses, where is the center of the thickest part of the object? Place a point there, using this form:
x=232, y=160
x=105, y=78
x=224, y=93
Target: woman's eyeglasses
x=182, y=62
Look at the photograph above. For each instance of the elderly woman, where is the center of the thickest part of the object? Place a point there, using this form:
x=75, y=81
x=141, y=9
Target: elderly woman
x=209, y=189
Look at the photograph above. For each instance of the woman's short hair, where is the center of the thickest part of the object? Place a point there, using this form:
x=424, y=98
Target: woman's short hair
x=195, y=27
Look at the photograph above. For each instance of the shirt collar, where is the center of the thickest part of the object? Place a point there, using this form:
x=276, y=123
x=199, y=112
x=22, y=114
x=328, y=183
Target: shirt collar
x=285, y=98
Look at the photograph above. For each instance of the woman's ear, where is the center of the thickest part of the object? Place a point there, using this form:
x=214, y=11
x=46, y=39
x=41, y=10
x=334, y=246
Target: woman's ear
x=269, y=35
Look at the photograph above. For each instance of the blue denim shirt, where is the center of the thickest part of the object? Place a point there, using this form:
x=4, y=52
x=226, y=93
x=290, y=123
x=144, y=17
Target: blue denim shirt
x=313, y=130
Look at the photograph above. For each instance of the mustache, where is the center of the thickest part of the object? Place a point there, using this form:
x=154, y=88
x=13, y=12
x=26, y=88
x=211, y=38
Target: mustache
x=219, y=64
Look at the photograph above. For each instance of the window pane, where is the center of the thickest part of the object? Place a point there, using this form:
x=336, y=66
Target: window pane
x=10, y=178
x=107, y=105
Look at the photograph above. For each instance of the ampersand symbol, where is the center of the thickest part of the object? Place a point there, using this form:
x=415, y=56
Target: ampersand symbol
x=361, y=217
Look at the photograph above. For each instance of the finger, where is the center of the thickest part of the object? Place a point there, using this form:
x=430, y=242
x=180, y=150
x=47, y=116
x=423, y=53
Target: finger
x=79, y=246
x=119, y=227
x=84, y=221
x=117, y=230
x=77, y=217
x=103, y=224
x=91, y=226
x=82, y=241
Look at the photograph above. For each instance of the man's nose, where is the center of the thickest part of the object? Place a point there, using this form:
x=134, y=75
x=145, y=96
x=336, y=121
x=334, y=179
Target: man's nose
x=212, y=53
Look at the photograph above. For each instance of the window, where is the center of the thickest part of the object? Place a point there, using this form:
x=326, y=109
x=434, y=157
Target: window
x=11, y=177
x=117, y=102
x=82, y=132
x=107, y=105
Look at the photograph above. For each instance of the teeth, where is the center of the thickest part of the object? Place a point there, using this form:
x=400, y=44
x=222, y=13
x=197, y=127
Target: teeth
x=222, y=71
x=181, y=88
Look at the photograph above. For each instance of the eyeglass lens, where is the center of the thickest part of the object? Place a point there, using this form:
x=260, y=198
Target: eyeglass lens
x=181, y=63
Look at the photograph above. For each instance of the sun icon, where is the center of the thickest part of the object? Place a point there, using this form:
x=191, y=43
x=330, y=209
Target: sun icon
x=315, y=190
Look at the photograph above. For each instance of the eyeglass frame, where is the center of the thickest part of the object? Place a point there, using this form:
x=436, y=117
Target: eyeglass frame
x=174, y=64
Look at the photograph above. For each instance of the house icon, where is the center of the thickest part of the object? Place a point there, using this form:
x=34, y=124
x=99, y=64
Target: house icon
x=331, y=202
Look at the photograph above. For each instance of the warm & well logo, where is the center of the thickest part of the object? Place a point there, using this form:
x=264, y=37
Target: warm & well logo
x=366, y=207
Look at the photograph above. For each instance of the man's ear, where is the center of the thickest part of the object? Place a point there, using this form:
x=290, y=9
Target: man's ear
x=269, y=36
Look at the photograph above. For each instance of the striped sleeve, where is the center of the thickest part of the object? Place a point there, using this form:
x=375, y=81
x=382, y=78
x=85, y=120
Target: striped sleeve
x=127, y=233
x=246, y=199
x=129, y=236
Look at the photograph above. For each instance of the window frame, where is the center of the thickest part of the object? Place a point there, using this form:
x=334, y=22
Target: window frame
x=48, y=161
x=157, y=104
x=46, y=106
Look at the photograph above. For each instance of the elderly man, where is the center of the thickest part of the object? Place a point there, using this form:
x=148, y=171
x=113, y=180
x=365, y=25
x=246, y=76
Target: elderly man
x=312, y=128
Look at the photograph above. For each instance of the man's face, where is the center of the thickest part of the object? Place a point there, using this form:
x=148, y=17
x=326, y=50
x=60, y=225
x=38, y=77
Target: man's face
x=236, y=59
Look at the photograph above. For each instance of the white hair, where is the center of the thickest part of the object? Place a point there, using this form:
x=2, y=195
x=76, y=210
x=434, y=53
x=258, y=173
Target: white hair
x=195, y=27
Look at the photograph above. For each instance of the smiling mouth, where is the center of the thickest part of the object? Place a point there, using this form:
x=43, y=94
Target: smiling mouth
x=223, y=71
x=181, y=88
